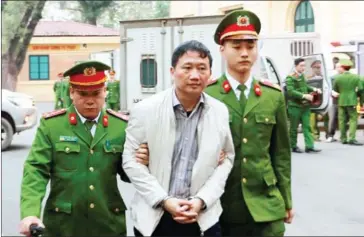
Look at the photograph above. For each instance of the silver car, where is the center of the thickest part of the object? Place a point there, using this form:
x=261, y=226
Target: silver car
x=18, y=113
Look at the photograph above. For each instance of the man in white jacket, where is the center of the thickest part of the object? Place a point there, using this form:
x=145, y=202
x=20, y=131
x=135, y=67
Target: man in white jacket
x=185, y=129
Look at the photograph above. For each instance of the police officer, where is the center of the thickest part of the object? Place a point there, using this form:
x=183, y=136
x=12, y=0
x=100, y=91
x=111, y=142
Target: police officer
x=257, y=197
x=57, y=88
x=299, y=99
x=316, y=117
x=348, y=86
x=65, y=92
x=113, y=96
x=79, y=151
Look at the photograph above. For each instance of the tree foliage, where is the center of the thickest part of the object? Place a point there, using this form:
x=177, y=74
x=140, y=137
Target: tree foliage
x=19, y=21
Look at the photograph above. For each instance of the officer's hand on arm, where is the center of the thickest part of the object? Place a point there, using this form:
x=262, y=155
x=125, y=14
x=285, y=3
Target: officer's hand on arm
x=307, y=97
x=289, y=216
x=27, y=222
x=222, y=157
x=142, y=154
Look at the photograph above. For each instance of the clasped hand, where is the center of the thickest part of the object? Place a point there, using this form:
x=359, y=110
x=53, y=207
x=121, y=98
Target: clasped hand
x=183, y=211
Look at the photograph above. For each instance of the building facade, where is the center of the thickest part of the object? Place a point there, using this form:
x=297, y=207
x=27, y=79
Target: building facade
x=57, y=46
x=334, y=20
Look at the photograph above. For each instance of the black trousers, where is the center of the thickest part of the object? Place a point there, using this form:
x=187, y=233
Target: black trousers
x=169, y=227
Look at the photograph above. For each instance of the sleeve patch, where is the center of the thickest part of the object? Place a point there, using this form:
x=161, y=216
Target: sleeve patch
x=270, y=84
x=54, y=113
x=118, y=115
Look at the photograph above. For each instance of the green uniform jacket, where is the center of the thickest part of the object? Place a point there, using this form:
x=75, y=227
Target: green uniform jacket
x=348, y=85
x=66, y=93
x=296, y=87
x=114, y=91
x=263, y=159
x=57, y=89
x=84, y=198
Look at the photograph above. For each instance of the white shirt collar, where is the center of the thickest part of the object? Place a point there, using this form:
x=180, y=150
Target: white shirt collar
x=235, y=83
x=83, y=119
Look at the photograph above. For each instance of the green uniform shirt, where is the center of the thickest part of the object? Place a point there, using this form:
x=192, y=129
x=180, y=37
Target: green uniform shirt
x=349, y=86
x=261, y=175
x=114, y=92
x=66, y=93
x=296, y=87
x=84, y=199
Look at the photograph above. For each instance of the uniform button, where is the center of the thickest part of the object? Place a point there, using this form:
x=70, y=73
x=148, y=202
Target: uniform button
x=67, y=149
x=56, y=209
x=117, y=210
x=91, y=187
x=244, y=180
x=245, y=140
x=92, y=151
x=244, y=160
x=266, y=119
x=113, y=150
x=91, y=169
x=92, y=205
x=245, y=120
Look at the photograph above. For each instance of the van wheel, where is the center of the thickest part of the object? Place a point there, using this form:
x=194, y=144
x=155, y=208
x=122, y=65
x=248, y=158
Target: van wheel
x=6, y=134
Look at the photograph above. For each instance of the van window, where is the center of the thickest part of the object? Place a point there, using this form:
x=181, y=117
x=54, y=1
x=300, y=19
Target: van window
x=148, y=71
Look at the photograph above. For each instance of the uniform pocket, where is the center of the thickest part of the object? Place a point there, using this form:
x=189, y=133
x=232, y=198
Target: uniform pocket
x=60, y=206
x=113, y=148
x=67, y=155
x=265, y=119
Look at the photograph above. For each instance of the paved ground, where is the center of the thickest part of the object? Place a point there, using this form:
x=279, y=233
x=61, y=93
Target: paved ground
x=328, y=189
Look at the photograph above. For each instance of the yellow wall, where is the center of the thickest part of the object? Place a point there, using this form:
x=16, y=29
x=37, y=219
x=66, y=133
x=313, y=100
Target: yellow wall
x=59, y=60
x=334, y=20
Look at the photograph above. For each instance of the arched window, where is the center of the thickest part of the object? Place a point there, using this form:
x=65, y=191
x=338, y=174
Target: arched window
x=304, y=20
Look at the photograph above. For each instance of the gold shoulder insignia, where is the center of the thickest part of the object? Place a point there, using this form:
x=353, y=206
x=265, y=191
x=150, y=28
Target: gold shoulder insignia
x=211, y=82
x=54, y=113
x=270, y=84
x=118, y=115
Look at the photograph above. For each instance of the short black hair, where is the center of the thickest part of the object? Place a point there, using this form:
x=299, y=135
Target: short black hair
x=298, y=61
x=191, y=45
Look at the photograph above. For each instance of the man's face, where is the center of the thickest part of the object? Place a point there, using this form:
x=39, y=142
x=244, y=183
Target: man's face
x=88, y=103
x=240, y=55
x=338, y=68
x=316, y=69
x=300, y=68
x=191, y=73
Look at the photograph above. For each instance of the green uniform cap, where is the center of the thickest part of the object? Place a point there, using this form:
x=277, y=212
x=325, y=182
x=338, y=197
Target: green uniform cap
x=241, y=24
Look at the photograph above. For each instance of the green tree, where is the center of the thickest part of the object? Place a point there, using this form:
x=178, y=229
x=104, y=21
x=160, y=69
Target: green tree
x=19, y=19
x=92, y=10
x=162, y=9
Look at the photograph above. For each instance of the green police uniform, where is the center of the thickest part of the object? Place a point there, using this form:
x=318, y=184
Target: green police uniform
x=258, y=189
x=113, y=96
x=65, y=92
x=348, y=85
x=82, y=168
x=57, y=88
x=299, y=109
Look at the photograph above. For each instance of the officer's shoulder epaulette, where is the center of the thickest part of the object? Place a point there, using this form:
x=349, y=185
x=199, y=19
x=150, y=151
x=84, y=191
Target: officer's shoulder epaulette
x=54, y=113
x=121, y=116
x=270, y=84
x=212, y=82
x=293, y=74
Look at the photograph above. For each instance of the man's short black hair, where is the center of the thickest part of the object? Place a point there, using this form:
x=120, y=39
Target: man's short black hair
x=191, y=45
x=298, y=61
